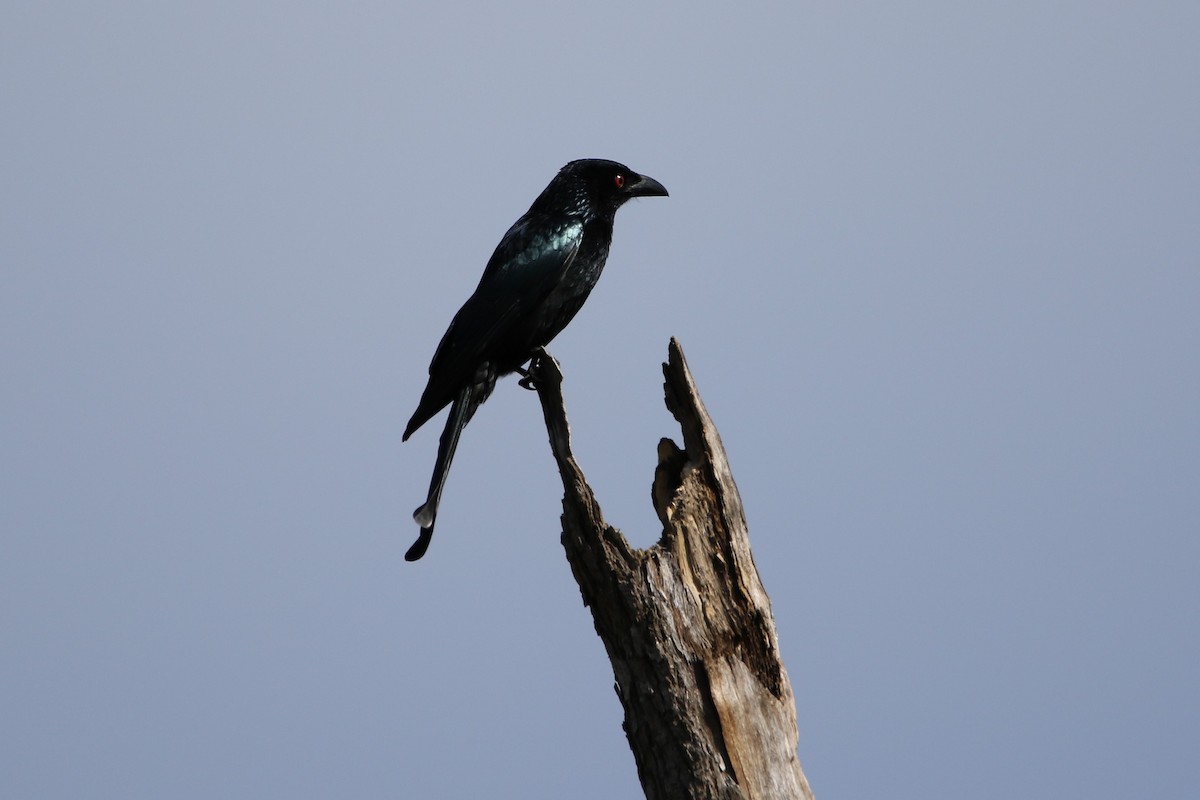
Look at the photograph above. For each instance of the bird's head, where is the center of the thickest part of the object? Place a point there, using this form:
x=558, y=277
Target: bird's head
x=595, y=185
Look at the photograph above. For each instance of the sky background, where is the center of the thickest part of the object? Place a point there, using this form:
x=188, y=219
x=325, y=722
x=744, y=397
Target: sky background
x=935, y=267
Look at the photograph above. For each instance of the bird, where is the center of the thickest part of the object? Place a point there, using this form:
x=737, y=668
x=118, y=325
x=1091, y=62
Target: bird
x=533, y=285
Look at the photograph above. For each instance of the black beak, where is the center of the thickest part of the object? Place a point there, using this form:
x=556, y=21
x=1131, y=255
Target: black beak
x=647, y=187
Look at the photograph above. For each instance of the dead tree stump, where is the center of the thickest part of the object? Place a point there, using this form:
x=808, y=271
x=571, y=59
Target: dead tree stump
x=709, y=710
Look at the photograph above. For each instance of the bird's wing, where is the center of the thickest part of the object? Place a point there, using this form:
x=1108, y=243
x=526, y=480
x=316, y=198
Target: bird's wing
x=526, y=266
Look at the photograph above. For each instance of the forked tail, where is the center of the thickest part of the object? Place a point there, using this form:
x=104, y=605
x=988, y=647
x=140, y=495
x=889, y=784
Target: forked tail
x=461, y=411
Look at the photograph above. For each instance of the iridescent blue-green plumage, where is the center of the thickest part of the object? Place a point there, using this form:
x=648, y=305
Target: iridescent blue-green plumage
x=535, y=282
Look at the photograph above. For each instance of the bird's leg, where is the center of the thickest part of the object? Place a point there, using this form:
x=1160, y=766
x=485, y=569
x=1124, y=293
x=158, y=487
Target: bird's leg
x=542, y=368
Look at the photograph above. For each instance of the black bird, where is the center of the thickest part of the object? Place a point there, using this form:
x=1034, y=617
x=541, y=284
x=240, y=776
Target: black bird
x=535, y=282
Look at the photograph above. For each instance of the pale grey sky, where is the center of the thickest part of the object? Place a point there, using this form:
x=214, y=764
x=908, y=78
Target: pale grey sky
x=935, y=270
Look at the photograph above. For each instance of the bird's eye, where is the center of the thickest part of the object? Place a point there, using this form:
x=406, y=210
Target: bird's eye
x=619, y=181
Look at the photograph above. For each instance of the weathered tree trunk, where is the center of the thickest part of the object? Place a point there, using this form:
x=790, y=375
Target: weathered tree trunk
x=709, y=710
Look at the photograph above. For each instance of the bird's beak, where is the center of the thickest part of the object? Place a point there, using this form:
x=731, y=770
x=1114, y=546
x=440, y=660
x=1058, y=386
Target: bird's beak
x=647, y=187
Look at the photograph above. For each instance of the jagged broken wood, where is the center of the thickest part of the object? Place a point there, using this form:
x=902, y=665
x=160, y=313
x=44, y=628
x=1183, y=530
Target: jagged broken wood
x=709, y=710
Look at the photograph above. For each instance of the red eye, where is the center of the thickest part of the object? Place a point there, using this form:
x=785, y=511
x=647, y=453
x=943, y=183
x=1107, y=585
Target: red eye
x=619, y=181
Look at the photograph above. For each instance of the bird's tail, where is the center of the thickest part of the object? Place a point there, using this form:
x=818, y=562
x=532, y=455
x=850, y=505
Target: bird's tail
x=461, y=411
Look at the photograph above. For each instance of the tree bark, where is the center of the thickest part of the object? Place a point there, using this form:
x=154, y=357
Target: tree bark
x=709, y=710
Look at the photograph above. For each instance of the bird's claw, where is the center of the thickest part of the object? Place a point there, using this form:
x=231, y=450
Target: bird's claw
x=541, y=369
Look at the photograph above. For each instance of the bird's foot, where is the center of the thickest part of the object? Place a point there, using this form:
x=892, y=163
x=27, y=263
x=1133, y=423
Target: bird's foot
x=543, y=368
